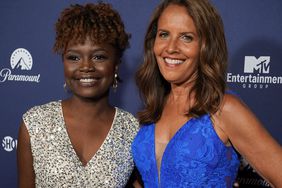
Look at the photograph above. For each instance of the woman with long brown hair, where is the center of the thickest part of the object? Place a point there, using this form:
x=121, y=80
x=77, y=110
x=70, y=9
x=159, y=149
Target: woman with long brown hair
x=192, y=128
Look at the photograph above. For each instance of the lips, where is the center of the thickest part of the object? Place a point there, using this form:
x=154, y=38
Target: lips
x=171, y=61
x=88, y=81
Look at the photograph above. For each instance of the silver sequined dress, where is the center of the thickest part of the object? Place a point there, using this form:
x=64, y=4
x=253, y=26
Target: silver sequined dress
x=57, y=165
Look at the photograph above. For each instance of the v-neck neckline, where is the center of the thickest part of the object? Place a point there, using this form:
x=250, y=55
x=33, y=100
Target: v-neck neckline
x=71, y=145
x=167, y=146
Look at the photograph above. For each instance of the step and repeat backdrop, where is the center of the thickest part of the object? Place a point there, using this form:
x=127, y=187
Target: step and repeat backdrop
x=31, y=74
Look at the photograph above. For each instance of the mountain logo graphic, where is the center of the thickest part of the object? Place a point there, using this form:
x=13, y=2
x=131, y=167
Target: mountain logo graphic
x=21, y=59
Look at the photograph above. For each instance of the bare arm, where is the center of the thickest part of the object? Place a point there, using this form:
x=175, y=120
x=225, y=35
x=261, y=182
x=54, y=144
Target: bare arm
x=135, y=180
x=26, y=176
x=136, y=184
x=250, y=139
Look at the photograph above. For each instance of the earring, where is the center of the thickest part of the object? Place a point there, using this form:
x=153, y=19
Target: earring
x=66, y=88
x=115, y=83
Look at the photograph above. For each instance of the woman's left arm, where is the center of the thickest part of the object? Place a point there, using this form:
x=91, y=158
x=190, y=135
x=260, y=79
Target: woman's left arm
x=251, y=139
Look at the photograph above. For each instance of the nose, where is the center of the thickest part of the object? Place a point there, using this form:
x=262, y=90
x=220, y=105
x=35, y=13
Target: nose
x=87, y=66
x=172, y=46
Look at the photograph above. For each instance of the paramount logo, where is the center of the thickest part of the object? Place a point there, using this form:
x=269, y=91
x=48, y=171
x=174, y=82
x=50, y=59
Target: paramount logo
x=6, y=74
x=20, y=59
x=256, y=73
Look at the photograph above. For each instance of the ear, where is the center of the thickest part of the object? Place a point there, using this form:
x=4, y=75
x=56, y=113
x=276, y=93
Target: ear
x=116, y=68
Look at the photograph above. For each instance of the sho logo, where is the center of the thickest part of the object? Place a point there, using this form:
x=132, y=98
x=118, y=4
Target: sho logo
x=256, y=65
x=9, y=144
x=21, y=59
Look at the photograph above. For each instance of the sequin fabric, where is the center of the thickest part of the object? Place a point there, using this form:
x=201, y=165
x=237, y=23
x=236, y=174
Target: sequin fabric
x=195, y=157
x=56, y=163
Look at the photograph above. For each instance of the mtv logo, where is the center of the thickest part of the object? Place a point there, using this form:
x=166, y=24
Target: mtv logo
x=253, y=64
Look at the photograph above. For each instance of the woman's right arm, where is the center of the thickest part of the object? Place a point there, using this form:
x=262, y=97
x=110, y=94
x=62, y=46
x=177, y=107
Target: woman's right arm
x=26, y=176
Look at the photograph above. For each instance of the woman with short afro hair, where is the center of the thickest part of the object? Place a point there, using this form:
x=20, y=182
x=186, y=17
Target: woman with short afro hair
x=81, y=141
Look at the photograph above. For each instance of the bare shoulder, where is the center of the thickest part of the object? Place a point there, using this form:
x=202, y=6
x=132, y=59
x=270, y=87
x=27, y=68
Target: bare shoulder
x=234, y=112
x=232, y=103
x=247, y=134
x=225, y=118
x=241, y=126
x=235, y=120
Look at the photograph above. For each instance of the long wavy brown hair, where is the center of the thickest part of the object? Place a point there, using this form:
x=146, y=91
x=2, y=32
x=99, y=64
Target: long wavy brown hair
x=210, y=84
x=100, y=22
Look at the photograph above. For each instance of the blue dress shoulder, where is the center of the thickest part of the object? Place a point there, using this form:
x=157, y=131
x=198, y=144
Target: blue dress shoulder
x=194, y=157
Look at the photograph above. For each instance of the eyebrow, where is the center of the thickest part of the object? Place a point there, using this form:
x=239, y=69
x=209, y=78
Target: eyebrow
x=182, y=33
x=193, y=33
x=91, y=50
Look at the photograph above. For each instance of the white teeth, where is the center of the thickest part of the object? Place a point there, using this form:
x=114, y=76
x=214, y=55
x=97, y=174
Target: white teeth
x=173, y=61
x=86, y=80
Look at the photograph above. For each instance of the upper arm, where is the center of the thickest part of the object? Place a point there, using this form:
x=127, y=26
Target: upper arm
x=250, y=139
x=26, y=176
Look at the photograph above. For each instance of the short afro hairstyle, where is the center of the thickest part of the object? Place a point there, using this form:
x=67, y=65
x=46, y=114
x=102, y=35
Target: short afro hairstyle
x=100, y=22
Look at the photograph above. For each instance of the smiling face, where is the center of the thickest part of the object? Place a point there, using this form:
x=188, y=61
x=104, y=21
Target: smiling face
x=89, y=68
x=176, y=45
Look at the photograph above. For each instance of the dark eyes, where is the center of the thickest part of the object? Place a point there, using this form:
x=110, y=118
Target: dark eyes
x=72, y=58
x=99, y=57
x=96, y=58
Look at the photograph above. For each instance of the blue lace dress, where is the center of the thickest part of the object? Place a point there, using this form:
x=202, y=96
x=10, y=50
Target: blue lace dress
x=194, y=157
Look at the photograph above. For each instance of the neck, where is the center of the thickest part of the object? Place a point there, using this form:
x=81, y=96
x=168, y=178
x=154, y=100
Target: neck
x=182, y=97
x=179, y=92
x=84, y=106
x=183, y=90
